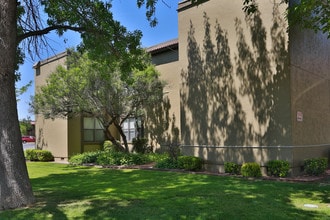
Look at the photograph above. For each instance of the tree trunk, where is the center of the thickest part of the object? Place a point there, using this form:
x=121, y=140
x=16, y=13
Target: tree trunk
x=122, y=134
x=15, y=187
x=113, y=140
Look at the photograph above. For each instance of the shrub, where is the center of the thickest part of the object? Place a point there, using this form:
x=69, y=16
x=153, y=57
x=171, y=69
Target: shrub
x=140, y=145
x=138, y=159
x=316, y=166
x=251, y=170
x=86, y=157
x=120, y=158
x=111, y=158
x=155, y=157
x=190, y=163
x=278, y=168
x=31, y=154
x=38, y=155
x=167, y=163
x=44, y=156
x=109, y=146
x=232, y=168
x=173, y=150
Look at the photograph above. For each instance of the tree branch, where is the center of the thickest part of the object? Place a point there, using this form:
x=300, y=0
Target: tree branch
x=47, y=30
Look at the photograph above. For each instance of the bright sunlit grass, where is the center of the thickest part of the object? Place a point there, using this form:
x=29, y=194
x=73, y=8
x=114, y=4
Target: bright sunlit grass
x=65, y=192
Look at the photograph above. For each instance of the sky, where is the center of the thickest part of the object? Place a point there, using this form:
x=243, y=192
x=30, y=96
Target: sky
x=127, y=13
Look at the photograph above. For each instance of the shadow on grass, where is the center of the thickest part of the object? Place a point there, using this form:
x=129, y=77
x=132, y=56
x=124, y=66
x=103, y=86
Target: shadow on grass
x=90, y=193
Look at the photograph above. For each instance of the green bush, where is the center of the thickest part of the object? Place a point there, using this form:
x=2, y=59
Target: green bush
x=44, y=156
x=139, y=159
x=108, y=158
x=105, y=158
x=31, y=154
x=232, y=168
x=167, y=163
x=251, y=170
x=86, y=157
x=190, y=163
x=278, y=168
x=316, y=166
x=140, y=145
x=38, y=155
x=109, y=146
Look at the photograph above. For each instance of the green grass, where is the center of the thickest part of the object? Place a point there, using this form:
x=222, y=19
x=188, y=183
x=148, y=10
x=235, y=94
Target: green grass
x=65, y=192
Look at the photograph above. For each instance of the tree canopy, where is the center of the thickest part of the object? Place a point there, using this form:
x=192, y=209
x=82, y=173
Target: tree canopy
x=99, y=89
x=310, y=14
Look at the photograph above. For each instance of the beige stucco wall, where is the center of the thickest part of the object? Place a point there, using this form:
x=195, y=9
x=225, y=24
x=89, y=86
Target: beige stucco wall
x=51, y=134
x=235, y=85
x=243, y=82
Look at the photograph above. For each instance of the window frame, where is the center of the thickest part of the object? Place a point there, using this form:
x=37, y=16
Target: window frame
x=130, y=132
x=94, y=128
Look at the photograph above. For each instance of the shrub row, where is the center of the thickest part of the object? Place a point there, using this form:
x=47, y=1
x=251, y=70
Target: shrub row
x=252, y=169
x=38, y=155
x=109, y=158
x=189, y=163
x=278, y=168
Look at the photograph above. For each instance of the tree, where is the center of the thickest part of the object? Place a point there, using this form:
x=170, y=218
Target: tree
x=25, y=126
x=99, y=89
x=22, y=28
x=314, y=15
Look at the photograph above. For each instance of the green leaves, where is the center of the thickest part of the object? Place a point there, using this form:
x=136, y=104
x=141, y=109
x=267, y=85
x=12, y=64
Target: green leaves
x=311, y=14
x=101, y=89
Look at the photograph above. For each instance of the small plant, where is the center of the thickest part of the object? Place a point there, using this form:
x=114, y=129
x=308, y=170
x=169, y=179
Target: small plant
x=316, y=166
x=232, y=168
x=251, y=169
x=167, y=163
x=278, y=168
x=44, y=156
x=190, y=163
x=109, y=146
x=31, y=154
x=174, y=151
x=86, y=157
x=140, y=145
x=38, y=155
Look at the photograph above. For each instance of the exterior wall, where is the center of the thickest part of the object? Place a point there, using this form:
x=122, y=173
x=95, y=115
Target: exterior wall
x=253, y=83
x=167, y=57
x=51, y=134
x=235, y=78
x=74, y=136
x=215, y=156
x=310, y=86
x=163, y=123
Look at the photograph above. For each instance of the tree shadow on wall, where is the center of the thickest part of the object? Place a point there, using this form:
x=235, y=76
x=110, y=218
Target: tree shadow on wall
x=214, y=85
x=160, y=126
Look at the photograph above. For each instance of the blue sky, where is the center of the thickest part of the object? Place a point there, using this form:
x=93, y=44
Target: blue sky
x=129, y=15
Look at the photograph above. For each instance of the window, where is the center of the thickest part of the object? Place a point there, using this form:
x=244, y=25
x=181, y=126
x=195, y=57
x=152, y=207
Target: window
x=129, y=129
x=92, y=130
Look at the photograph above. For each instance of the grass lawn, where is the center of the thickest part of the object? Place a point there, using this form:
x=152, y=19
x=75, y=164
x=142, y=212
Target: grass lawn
x=65, y=192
